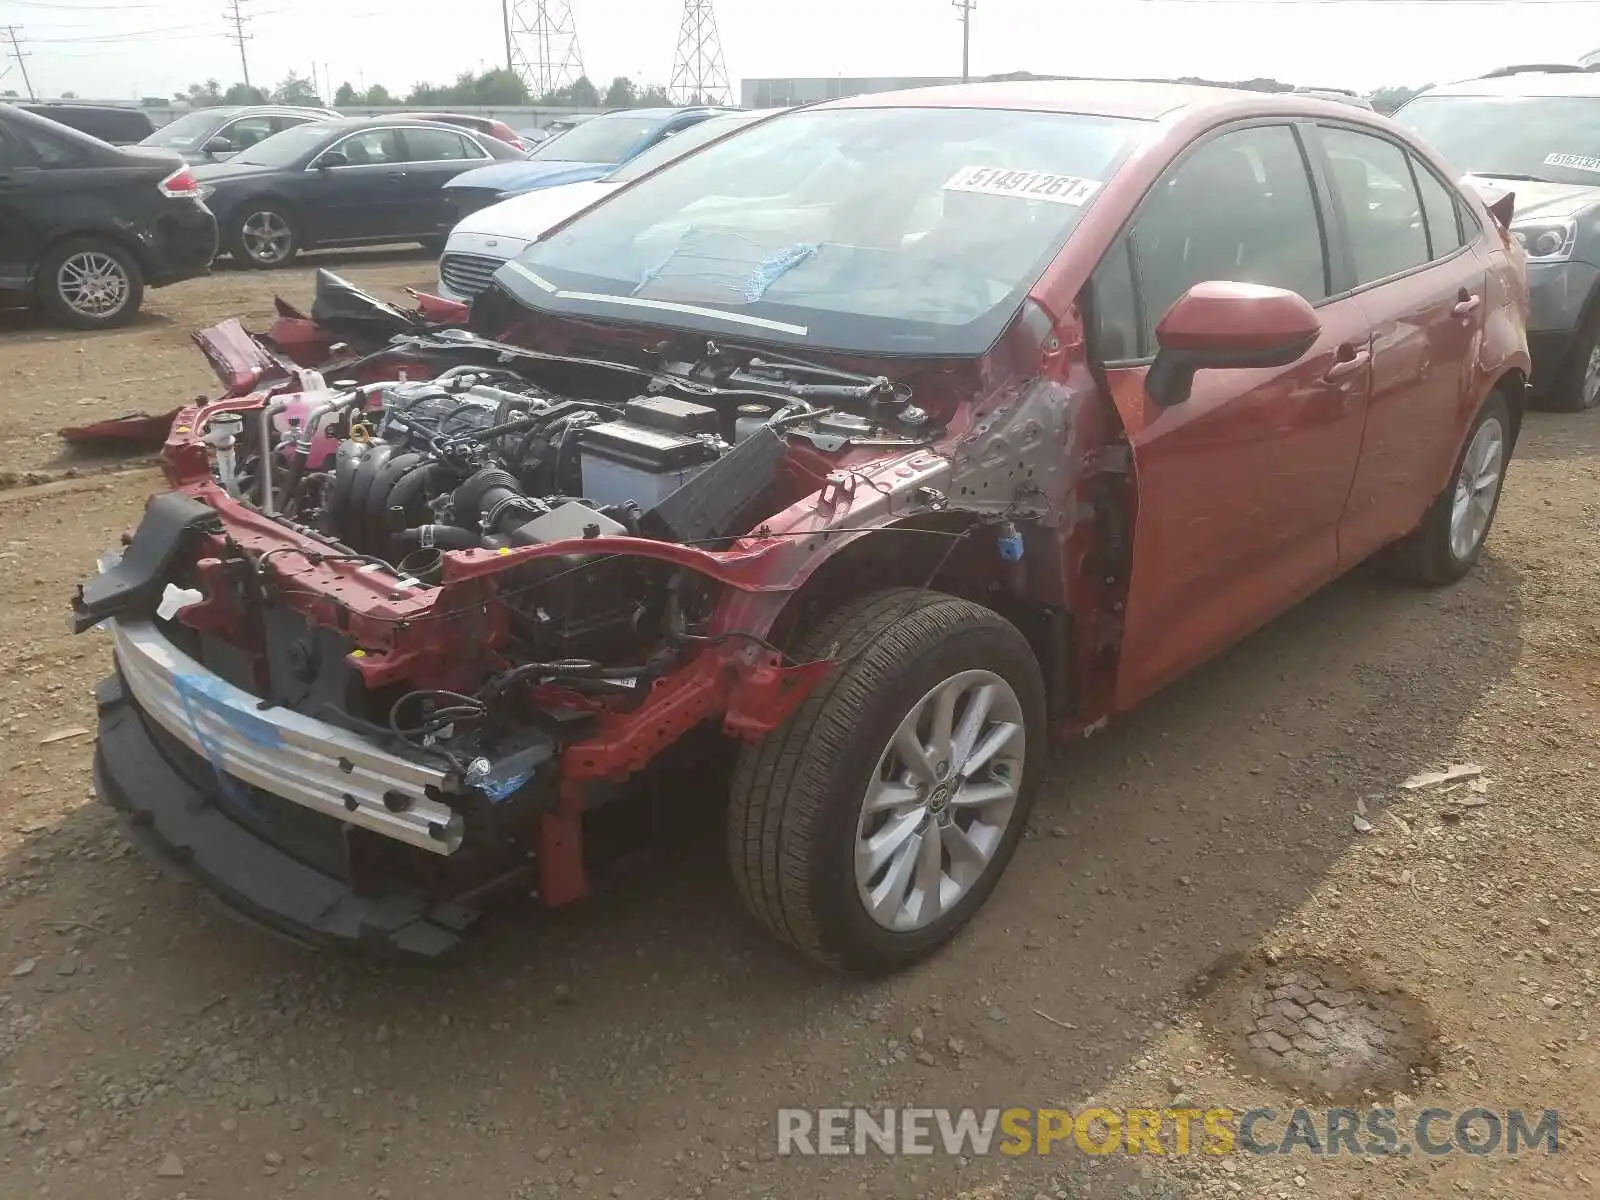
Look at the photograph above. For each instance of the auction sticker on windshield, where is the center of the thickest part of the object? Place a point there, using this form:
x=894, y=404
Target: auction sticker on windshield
x=1028, y=185
x=1573, y=162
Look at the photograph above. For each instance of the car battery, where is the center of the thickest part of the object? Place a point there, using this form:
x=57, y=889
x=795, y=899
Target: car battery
x=623, y=462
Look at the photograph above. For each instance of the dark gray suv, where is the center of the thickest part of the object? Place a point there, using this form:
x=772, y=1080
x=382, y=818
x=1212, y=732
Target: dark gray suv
x=1536, y=131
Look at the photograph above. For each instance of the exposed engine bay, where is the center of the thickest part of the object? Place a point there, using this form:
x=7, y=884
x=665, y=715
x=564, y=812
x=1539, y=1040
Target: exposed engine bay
x=451, y=594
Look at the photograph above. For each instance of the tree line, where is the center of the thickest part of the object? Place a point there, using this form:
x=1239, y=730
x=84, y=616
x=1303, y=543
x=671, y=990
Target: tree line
x=501, y=88
x=498, y=88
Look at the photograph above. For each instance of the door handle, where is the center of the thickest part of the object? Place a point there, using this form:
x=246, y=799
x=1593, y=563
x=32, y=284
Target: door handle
x=1467, y=304
x=1347, y=366
x=397, y=174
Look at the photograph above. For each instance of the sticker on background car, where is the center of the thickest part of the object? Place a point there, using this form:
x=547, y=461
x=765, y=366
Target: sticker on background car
x=1573, y=162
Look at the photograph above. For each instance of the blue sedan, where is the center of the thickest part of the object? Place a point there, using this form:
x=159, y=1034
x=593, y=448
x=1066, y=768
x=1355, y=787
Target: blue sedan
x=588, y=151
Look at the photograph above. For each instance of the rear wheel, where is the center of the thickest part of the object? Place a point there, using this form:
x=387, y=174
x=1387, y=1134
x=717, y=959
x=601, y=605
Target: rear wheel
x=264, y=236
x=90, y=283
x=1450, y=538
x=871, y=826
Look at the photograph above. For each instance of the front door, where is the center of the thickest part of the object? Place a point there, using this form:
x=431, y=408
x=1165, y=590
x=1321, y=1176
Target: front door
x=357, y=188
x=1240, y=487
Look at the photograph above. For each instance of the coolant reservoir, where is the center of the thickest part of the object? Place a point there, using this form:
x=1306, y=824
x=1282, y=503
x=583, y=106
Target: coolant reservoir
x=294, y=414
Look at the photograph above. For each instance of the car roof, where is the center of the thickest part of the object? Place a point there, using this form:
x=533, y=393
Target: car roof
x=1139, y=99
x=233, y=110
x=1533, y=80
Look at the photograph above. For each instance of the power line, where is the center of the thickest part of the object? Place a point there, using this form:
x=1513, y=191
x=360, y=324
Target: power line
x=966, y=7
x=22, y=65
x=236, y=18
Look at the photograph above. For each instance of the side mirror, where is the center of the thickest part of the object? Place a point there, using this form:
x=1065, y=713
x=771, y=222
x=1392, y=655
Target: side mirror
x=333, y=158
x=219, y=147
x=1220, y=325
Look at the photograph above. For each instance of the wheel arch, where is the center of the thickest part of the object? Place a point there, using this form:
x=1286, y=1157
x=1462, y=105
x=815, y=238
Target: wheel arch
x=950, y=552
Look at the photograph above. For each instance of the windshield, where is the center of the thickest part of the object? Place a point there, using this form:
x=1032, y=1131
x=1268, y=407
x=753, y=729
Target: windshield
x=677, y=145
x=601, y=140
x=1551, y=138
x=880, y=230
x=186, y=132
x=284, y=149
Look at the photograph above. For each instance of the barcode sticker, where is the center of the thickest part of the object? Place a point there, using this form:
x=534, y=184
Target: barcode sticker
x=1025, y=185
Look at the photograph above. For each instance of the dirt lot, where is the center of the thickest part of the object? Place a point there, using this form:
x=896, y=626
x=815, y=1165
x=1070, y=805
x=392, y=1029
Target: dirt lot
x=637, y=1046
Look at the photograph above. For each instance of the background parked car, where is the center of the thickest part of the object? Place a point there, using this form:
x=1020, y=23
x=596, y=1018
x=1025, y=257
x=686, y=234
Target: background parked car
x=114, y=123
x=480, y=244
x=586, y=151
x=484, y=125
x=86, y=226
x=1536, y=131
x=340, y=183
x=213, y=134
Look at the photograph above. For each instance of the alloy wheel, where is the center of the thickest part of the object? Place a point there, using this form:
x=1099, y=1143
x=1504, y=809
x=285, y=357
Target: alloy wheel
x=267, y=237
x=1591, y=377
x=940, y=801
x=93, y=284
x=1477, y=488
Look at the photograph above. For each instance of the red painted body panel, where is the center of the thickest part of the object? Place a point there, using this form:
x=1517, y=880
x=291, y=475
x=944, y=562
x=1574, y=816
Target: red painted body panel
x=1240, y=493
x=1422, y=398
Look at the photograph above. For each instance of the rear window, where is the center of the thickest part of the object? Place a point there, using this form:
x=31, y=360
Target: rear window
x=602, y=140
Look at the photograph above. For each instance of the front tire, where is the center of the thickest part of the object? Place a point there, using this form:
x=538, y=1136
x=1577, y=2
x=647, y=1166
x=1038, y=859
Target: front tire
x=1450, y=538
x=264, y=237
x=870, y=827
x=90, y=283
x=1577, y=387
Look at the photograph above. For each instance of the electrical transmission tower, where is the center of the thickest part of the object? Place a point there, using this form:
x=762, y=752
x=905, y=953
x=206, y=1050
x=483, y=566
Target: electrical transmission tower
x=699, y=74
x=237, y=20
x=542, y=44
x=21, y=57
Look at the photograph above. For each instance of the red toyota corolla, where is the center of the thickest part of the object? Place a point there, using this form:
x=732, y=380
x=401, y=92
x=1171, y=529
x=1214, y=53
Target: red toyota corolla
x=861, y=451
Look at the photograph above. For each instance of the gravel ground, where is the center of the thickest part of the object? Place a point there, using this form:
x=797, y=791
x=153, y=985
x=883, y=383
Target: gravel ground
x=637, y=1045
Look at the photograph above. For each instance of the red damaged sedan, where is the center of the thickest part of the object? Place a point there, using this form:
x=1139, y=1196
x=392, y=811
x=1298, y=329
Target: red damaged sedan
x=862, y=452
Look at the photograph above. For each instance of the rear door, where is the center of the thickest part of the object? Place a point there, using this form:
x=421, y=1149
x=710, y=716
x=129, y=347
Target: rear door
x=1240, y=487
x=1422, y=289
x=433, y=157
x=361, y=196
x=18, y=229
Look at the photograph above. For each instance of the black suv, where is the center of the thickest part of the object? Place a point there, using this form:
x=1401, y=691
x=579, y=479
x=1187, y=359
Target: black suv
x=114, y=123
x=86, y=226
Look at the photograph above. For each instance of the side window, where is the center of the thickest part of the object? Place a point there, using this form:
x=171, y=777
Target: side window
x=438, y=145
x=9, y=158
x=1373, y=183
x=49, y=150
x=284, y=121
x=1239, y=208
x=1116, y=312
x=372, y=147
x=1440, y=209
x=247, y=131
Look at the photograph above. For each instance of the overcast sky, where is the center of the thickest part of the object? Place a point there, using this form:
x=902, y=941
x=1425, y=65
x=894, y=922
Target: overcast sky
x=125, y=48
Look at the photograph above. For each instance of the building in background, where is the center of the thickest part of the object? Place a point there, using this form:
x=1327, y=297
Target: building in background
x=785, y=93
